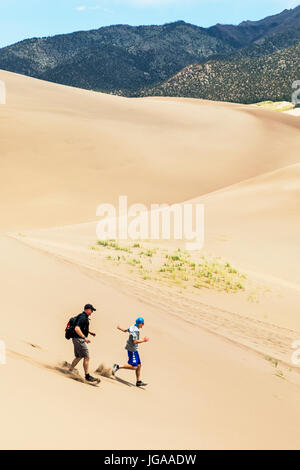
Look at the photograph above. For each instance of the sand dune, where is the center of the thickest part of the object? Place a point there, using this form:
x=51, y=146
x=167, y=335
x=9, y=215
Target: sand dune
x=202, y=393
x=255, y=223
x=66, y=150
x=294, y=112
x=63, y=151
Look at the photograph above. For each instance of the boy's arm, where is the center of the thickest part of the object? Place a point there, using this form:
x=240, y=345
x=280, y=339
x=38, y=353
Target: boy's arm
x=122, y=329
x=140, y=341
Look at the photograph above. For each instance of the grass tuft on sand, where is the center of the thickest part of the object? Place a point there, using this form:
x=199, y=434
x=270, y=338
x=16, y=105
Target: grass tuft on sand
x=178, y=268
x=279, y=106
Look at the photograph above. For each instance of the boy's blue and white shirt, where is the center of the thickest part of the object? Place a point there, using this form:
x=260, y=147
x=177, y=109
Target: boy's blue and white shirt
x=134, y=335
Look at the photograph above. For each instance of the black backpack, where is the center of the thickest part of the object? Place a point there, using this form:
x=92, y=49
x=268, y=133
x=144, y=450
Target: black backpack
x=70, y=329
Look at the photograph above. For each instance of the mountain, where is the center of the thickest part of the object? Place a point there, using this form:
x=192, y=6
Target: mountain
x=249, y=32
x=145, y=60
x=113, y=58
x=241, y=79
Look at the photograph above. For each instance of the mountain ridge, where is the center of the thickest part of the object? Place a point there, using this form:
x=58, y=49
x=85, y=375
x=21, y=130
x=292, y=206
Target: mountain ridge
x=136, y=60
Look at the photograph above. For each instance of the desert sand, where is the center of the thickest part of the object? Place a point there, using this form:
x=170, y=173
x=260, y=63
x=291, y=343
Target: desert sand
x=294, y=112
x=211, y=361
x=66, y=150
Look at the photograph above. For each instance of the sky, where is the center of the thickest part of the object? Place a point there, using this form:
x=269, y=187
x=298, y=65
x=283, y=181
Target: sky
x=22, y=19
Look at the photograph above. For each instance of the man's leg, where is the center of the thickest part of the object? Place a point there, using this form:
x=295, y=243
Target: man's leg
x=86, y=362
x=74, y=363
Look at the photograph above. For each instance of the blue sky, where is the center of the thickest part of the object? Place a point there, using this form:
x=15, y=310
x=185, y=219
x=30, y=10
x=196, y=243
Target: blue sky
x=21, y=19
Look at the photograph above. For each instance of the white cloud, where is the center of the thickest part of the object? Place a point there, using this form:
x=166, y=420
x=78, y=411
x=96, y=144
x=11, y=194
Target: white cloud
x=100, y=5
x=293, y=3
x=93, y=8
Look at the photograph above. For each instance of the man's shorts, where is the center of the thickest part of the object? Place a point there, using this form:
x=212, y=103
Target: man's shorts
x=134, y=358
x=80, y=348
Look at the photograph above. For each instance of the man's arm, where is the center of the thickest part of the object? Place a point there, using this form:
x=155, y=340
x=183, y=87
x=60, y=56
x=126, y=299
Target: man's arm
x=79, y=332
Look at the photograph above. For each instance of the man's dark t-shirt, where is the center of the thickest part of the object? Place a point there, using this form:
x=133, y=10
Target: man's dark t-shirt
x=83, y=322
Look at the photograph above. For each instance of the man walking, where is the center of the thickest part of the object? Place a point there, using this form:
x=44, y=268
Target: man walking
x=80, y=341
x=134, y=361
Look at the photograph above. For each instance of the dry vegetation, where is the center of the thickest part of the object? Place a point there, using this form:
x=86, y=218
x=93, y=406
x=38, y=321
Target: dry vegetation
x=173, y=268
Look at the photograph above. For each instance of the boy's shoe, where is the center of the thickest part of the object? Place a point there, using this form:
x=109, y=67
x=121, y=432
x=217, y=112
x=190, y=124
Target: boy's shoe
x=115, y=369
x=141, y=384
x=91, y=379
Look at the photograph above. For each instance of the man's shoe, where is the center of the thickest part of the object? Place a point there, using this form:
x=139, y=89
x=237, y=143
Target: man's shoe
x=141, y=384
x=115, y=369
x=91, y=379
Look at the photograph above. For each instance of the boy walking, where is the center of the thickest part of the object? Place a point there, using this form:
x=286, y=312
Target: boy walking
x=134, y=361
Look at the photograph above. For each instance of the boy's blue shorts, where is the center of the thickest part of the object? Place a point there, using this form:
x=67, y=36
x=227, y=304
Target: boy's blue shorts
x=134, y=358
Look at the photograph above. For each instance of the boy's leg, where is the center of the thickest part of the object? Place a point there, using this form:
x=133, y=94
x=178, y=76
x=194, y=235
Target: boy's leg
x=138, y=373
x=128, y=367
x=133, y=363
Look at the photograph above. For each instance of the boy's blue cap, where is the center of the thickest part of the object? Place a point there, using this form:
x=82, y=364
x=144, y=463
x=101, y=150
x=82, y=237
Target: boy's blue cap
x=139, y=321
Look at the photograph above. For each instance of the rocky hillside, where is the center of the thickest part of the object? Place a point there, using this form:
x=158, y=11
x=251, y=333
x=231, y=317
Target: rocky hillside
x=113, y=58
x=243, y=78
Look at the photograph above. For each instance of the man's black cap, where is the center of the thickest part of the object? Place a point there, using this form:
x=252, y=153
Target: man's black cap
x=89, y=307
